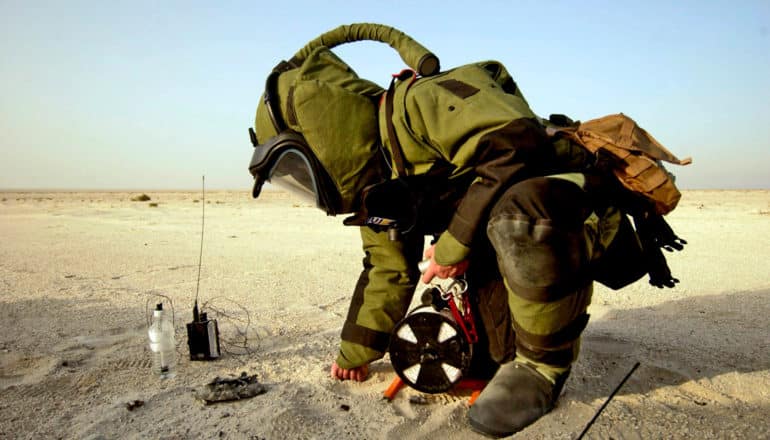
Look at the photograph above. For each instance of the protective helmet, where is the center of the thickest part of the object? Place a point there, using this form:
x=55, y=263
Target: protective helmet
x=316, y=126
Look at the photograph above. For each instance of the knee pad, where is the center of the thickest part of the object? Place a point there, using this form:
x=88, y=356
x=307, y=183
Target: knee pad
x=565, y=204
x=539, y=261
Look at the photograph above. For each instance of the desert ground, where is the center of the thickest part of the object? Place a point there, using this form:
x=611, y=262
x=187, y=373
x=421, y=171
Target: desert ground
x=80, y=272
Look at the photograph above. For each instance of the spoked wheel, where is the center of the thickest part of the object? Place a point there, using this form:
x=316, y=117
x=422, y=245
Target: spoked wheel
x=429, y=351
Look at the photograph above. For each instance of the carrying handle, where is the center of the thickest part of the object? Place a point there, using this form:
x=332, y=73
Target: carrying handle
x=413, y=53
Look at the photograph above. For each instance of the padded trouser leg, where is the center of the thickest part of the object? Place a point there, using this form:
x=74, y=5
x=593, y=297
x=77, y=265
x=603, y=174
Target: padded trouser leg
x=547, y=342
x=549, y=332
x=537, y=230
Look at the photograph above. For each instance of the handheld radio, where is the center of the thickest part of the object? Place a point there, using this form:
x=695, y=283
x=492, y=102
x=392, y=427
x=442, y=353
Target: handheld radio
x=202, y=333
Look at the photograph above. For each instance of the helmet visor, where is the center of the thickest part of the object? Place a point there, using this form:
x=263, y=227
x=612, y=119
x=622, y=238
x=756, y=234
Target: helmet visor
x=292, y=172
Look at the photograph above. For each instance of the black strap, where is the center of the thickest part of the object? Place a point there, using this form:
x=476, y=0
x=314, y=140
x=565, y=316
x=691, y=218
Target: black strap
x=290, y=112
x=376, y=340
x=559, y=338
x=272, y=100
x=351, y=331
x=395, y=145
x=555, y=349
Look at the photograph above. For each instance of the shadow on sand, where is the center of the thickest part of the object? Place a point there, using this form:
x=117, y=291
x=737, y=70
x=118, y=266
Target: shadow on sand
x=676, y=342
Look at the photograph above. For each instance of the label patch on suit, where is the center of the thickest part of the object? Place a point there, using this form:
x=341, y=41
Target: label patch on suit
x=459, y=88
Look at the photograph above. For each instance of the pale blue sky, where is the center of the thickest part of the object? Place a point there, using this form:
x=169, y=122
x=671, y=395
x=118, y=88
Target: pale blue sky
x=153, y=94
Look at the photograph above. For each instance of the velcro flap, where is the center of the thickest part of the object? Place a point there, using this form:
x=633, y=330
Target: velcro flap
x=636, y=165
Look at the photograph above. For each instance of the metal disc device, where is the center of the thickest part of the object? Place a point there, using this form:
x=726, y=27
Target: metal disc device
x=431, y=348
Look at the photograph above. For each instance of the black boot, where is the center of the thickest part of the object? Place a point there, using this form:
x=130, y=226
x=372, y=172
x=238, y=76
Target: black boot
x=516, y=397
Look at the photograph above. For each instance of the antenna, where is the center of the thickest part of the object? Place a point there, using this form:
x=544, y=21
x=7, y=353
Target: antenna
x=202, y=333
x=200, y=255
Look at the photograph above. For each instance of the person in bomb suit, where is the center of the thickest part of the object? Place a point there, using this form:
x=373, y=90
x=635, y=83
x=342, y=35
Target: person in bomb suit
x=460, y=156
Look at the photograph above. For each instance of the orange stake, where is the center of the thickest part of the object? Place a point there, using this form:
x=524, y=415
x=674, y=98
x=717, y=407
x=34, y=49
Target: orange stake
x=474, y=396
x=393, y=389
x=469, y=384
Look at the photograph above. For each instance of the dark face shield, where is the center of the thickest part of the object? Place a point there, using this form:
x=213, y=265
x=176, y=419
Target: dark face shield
x=287, y=162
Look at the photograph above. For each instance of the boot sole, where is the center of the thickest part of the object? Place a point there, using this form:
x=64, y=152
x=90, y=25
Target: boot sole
x=487, y=431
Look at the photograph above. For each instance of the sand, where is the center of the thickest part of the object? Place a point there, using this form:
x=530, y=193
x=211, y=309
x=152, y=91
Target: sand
x=78, y=272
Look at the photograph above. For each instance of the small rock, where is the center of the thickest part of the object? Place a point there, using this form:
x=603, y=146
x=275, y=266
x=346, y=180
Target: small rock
x=134, y=404
x=141, y=198
x=345, y=407
x=418, y=400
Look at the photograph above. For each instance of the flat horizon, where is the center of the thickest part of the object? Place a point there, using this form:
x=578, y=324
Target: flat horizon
x=170, y=190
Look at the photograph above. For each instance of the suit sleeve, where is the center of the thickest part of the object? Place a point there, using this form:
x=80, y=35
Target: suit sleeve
x=507, y=155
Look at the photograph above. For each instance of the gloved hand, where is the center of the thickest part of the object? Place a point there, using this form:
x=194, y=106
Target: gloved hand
x=663, y=234
x=657, y=267
x=655, y=234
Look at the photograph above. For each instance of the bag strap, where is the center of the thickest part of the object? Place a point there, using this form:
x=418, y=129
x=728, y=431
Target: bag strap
x=395, y=145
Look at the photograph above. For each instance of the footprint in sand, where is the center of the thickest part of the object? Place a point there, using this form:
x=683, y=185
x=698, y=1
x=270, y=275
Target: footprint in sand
x=25, y=369
x=20, y=369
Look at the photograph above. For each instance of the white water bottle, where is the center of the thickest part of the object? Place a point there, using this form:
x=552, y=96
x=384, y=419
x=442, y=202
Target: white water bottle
x=162, y=344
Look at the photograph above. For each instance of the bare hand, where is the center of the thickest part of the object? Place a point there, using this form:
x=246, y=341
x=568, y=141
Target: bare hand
x=357, y=374
x=437, y=270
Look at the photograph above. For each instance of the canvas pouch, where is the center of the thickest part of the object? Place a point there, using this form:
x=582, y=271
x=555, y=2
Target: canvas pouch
x=634, y=156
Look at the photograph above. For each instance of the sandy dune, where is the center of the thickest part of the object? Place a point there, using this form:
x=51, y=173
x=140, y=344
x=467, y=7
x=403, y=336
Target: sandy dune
x=79, y=271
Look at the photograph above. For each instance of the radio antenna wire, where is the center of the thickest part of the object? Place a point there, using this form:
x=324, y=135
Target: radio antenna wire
x=196, y=315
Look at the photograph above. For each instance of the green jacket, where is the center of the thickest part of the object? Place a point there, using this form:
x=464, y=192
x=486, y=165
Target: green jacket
x=472, y=119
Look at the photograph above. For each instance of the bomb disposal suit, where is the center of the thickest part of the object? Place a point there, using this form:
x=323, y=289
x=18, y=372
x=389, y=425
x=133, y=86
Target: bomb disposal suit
x=460, y=156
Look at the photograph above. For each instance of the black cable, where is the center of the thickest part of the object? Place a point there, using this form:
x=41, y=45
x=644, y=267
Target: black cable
x=617, y=388
x=239, y=344
x=148, y=313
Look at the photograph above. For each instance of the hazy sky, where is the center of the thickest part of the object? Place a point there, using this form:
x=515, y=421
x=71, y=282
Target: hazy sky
x=153, y=94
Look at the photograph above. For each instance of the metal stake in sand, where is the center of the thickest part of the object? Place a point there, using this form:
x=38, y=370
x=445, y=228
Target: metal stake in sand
x=617, y=388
